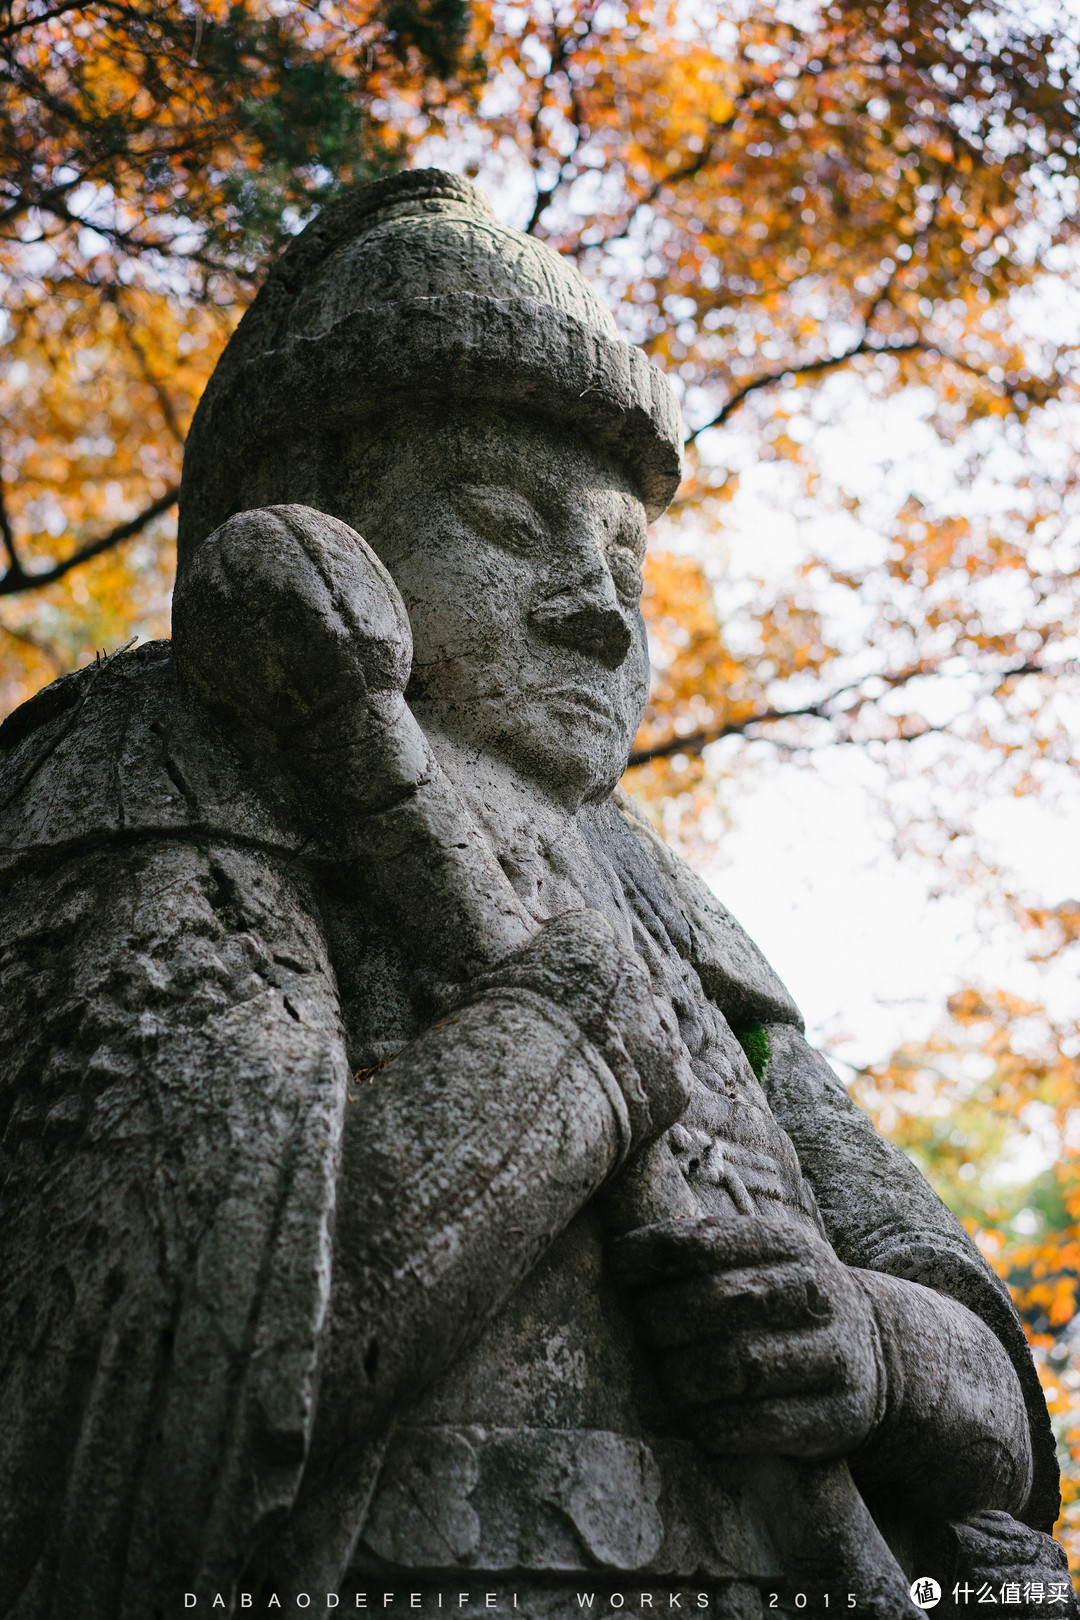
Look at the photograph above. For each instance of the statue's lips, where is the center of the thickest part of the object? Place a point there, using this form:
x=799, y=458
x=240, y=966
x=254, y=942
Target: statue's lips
x=581, y=701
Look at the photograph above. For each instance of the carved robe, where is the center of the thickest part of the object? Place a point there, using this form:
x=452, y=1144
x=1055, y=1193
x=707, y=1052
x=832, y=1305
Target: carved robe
x=217, y=1059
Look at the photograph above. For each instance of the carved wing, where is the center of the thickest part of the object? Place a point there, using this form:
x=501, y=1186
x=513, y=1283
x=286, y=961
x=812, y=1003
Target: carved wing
x=172, y=1078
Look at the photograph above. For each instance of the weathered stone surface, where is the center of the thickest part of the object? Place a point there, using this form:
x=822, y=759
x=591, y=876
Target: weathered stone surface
x=387, y=1198
x=413, y=292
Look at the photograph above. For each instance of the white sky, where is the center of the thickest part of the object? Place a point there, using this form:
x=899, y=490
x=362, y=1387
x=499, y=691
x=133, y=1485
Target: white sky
x=863, y=946
x=857, y=934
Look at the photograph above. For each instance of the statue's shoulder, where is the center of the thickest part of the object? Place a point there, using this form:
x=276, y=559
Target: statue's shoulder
x=732, y=969
x=121, y=749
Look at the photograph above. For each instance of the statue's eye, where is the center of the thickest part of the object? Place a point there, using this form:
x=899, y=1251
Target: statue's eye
x=502, y=516
x=625, y=574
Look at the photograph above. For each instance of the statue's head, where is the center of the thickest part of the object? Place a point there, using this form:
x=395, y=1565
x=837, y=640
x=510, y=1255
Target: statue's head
x=456, y=392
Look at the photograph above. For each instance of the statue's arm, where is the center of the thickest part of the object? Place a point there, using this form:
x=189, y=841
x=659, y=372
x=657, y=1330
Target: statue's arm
x=965, y=1418
x=463, y=1158
x=474, y=1147
x=953, y=1435
x=173, y=1083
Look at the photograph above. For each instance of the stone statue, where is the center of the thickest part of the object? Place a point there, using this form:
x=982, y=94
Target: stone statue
x=414, y=1181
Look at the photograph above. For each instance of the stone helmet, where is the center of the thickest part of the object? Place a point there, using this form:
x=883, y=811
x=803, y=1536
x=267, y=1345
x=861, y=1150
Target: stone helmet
x=411, y=291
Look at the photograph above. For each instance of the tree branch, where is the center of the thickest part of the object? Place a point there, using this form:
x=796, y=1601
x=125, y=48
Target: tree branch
x=38, y=643
x=830, y=362
x=128, y=241
x=46, y=16
x=560, y=63
x=8, y=537
x=695, y=741
x=17, y=580
x=816, y=367
x=689, y=171
x=865, y=346
x=47, y=200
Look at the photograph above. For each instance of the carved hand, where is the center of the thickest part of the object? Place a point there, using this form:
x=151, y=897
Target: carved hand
x=288, y=622
x=765, y=1341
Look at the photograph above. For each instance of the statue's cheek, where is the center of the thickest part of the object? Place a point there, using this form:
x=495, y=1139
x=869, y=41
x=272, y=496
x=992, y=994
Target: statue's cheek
x=636, y=671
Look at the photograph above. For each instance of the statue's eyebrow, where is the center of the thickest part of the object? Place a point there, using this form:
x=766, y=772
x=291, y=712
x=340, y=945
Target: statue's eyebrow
x=624, y=525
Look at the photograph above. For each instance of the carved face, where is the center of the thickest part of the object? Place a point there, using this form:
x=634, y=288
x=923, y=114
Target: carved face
x=517, y=550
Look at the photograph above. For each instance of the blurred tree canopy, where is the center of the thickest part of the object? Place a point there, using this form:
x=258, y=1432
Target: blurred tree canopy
x=780, y=197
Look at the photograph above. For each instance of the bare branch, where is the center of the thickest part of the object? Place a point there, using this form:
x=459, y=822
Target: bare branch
x=543, y=197
x=48, y=200
x=815, y=367
x=689, y=171
x=864, y=347
x=45, y=16
x=17, y=580
x=128, y=241
x=695, y=741
x=7, y=536
x=562, y=51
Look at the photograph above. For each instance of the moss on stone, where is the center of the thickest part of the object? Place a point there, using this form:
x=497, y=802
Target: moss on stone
x=755, y=1043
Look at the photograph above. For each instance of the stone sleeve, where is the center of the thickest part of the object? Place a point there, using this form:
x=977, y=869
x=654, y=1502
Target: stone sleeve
x=463, y=1158
x=954, y=1436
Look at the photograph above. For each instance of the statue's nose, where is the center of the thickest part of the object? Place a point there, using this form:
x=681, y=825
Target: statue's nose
x=587, y=620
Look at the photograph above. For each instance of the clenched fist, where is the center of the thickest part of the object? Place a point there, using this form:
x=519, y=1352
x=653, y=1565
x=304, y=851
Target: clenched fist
x=765, y=1341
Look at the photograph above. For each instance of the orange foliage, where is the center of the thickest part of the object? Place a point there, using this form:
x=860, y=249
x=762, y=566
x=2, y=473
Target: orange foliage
x=987, y=613
x=154, y=154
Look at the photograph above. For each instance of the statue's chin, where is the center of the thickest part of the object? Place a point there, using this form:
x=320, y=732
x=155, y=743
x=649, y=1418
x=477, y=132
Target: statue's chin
x=571, y=776
x=570, y=756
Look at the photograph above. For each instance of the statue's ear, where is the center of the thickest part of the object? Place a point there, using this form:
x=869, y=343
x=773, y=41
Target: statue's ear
x=285, y=619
